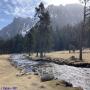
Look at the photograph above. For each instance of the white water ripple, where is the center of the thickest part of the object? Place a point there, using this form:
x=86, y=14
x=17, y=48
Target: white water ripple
x=79, y=77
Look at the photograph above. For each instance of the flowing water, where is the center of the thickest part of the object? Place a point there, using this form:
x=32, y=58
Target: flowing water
x=79, y=77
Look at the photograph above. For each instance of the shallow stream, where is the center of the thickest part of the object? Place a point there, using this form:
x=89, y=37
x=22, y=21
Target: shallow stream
x=79, y=77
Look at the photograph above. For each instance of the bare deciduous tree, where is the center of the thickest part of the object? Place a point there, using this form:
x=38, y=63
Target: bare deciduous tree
x=84, y=2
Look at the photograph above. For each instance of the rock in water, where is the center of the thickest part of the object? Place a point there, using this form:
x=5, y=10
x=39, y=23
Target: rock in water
x=46, y=77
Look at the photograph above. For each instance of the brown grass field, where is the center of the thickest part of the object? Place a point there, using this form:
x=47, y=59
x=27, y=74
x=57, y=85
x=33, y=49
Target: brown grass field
x=66, y=55
x=9, y=79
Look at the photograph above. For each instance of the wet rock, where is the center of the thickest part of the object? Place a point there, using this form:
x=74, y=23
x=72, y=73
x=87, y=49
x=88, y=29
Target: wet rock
x=47, y=77
x=66, y=84
x=36, y=73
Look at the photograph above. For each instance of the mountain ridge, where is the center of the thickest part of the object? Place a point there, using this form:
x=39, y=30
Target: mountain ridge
x=60, y=17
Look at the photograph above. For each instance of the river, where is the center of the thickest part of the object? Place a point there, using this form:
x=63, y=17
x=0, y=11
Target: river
x=79, y=77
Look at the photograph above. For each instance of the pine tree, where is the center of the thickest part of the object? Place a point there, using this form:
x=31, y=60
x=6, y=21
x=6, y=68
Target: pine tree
x=44, y=29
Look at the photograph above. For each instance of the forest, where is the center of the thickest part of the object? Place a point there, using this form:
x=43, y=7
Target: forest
x=42, y=37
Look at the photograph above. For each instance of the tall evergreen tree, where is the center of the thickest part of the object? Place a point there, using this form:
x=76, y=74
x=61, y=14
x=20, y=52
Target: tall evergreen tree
x=29, y=41
x=44, y=29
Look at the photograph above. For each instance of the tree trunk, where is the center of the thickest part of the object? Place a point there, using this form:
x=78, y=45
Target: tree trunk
x=41, y=54
x=80, y=57
x=29, y=53
x=83, y=30
x=37, y=54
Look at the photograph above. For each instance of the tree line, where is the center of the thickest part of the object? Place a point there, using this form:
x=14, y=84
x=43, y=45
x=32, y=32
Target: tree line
x=43, y=38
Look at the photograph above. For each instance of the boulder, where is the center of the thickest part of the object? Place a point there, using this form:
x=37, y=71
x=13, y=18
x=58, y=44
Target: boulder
x=35, y=73
x=46, y=77
x=66, y=84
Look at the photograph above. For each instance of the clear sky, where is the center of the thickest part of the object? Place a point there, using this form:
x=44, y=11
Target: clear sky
x=23, y=8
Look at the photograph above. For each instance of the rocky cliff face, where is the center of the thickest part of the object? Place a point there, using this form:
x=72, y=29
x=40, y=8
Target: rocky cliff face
x=63, y=15
x=60, y=16
x=18, y=26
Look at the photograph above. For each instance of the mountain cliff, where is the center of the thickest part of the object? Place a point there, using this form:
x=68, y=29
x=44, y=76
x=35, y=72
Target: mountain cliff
x=18, y=26
x=60, y=16
x=63, y=15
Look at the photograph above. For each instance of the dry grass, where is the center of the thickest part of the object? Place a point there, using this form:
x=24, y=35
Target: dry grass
x=8, y=78
x=66, y=54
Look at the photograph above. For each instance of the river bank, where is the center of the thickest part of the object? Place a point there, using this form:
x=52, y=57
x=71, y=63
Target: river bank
x=77, y=73
x=9, y=79
x=71, y=61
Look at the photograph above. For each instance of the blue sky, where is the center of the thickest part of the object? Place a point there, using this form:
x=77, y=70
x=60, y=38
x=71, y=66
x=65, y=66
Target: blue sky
x=23, y=8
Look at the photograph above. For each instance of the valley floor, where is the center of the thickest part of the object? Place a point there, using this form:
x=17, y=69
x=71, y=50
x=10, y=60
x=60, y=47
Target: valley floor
x=8, y=79
x=66, y=54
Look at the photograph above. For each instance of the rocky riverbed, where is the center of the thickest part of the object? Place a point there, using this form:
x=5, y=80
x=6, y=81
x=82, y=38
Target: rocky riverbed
x=78, y=77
